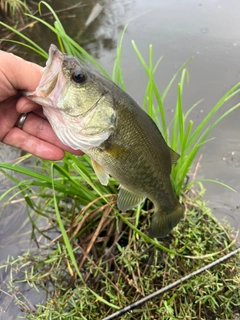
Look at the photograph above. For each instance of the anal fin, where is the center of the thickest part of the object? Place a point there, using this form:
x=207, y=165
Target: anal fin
x=127, y=199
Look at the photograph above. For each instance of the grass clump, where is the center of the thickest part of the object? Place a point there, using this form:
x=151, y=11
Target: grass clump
x=99, y=260
x=184, y=138
x=123, y=268
x=13, y=9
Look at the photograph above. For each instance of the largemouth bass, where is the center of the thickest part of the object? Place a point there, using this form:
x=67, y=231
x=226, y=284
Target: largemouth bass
x=89, y=112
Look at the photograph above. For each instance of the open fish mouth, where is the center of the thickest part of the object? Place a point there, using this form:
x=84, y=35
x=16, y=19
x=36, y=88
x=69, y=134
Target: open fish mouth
x=51, y=71
x=77, y=113
x=49, y=82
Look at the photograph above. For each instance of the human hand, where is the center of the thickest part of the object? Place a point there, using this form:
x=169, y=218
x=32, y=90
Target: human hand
x=36, y=136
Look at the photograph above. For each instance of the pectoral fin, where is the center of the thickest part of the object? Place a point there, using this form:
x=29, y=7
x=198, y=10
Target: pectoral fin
x=174, y=156
x=102, y=175
x=127, y=199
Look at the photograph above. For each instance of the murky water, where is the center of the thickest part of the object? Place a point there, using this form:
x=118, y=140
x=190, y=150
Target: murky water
x=208, y=30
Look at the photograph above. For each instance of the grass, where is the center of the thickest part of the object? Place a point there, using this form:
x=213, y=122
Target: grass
x=184, y=138
x=127, y=269
x=14, y=9
x=101, y=260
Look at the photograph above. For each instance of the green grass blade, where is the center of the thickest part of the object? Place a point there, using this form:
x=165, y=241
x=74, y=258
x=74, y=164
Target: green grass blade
x=173, y=79
x=57, y=24
x=32, y=43
x=212, y=181
x=191, y=109
x=68, y=244
x=178, y=126
x=213, y=125
x=44, y=55
x=156, y=91
x=150, y=81
x=232, y=92
x=117, y=76
x=78, y=50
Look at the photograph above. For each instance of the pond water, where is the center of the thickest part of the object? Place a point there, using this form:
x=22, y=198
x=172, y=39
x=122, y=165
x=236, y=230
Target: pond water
x=209, y=31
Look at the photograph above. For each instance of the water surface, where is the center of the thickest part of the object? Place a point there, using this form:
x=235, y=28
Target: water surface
x=207, y=30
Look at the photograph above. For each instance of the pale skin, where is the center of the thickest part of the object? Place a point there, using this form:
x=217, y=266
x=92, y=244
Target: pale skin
x=36, y=135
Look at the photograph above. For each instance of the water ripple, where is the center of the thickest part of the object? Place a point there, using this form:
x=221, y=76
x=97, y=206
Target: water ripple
x=232, y=159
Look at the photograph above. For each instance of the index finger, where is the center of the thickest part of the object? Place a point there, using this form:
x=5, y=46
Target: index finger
x=21, y=74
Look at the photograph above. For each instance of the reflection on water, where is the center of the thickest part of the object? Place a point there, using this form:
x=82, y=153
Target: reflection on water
x=101, y=34
x=177, y=30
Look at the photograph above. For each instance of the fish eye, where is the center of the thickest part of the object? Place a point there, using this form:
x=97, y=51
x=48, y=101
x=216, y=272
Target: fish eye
x=78, y=76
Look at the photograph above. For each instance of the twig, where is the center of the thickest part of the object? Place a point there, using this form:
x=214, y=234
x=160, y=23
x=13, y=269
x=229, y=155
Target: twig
x=197, y=167
x=95, y=235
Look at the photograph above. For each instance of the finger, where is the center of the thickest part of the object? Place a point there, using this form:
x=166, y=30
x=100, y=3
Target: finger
x=40, y=128
x=29, y=107
x=8, y=116
x=20, y=139
x=24, y=105
x=25, y=76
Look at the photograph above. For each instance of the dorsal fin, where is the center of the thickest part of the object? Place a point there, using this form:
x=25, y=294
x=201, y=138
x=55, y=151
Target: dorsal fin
x=174, y=156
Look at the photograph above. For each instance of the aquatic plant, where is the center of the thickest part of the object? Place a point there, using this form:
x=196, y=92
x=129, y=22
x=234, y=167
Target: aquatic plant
x=13, y=9
x=181, y=136
x=107, y=255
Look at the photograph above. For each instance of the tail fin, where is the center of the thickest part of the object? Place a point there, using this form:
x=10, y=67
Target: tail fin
x=163, y=223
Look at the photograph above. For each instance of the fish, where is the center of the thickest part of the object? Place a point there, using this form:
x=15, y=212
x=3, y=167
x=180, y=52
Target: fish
x=89, y=112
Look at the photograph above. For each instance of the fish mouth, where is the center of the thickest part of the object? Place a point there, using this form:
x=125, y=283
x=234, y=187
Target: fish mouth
x=50, y=88
x=51, y=71
x=49, y=78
